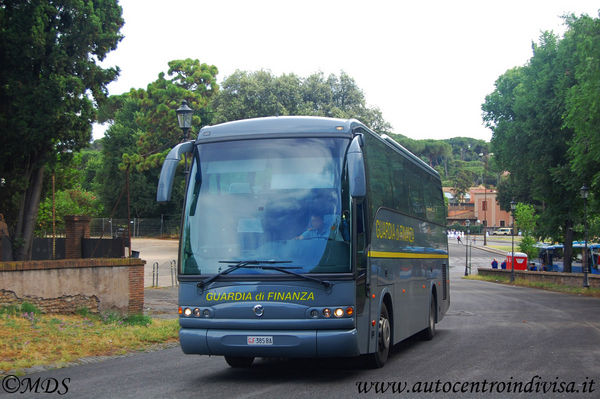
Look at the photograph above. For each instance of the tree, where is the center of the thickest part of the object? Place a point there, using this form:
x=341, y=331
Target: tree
x=525, y=219
x=256, y=94
x=49, y=85
x=462, y=183
x=582, y=113
x=144, y=128
x=75, y=201
x=530, y=139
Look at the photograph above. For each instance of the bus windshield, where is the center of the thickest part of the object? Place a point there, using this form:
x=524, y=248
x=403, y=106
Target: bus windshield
x=283, y=199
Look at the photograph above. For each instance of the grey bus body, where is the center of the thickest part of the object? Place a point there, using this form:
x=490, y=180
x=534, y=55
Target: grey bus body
x=306, y=237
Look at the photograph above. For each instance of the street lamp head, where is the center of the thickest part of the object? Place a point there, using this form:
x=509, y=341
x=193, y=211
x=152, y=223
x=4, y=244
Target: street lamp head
x=585, y=191
x=513, y=205
x=468, y=222
x=184, y=116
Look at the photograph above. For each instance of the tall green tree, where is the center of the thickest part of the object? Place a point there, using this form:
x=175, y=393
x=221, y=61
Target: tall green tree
x=144, y=128
x=255, y=94
x=531, y=141
x=582, y=113
x=49, y=84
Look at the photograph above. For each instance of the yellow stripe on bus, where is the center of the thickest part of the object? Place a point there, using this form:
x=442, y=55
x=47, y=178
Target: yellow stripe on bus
x=406, y=255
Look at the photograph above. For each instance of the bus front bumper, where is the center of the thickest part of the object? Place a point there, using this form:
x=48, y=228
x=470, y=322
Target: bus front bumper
x=283, y=343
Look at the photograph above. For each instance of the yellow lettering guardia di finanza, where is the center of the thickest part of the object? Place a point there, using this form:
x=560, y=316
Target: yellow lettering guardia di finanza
x=392, y=231
x=260, y=296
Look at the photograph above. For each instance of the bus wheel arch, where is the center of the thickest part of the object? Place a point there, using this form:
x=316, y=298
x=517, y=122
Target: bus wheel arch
x=384, y=334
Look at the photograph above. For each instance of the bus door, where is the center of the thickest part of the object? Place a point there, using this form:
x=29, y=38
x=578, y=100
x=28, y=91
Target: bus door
x=363, y=289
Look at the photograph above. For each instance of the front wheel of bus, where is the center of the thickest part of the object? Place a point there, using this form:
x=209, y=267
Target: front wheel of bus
x=384, y=338
x=239, y=362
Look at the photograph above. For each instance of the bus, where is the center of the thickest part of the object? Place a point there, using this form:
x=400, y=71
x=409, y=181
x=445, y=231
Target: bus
x=306, y=237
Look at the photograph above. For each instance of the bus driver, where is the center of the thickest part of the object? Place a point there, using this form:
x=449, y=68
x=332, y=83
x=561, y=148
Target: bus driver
x=317, y=229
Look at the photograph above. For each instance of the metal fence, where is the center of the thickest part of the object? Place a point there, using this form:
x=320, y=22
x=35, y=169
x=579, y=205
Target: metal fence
x=167, y=226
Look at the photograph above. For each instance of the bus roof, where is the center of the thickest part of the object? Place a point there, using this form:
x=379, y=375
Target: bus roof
x=293, y=126
x=280, y=125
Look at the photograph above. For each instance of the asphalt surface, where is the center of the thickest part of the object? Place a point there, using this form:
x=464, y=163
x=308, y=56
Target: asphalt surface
x=493, y=337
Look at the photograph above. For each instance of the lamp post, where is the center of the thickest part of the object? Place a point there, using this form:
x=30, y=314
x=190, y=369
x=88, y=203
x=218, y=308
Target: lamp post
x=184, y=117
x=584, y=264
x=513, y=206
x=467, y=223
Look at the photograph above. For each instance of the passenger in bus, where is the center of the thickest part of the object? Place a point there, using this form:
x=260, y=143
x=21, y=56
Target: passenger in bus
x=317, y=229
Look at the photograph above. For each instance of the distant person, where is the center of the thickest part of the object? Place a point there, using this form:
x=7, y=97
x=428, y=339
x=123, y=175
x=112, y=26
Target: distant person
x=458, y=239
x=494, y=264
x=317, y=229
x=503, y=265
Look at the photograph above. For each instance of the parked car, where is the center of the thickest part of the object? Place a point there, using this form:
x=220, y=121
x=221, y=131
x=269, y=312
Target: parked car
x=503, y=231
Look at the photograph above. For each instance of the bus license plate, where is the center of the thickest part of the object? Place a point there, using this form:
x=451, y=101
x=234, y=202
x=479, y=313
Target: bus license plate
x=260, y=340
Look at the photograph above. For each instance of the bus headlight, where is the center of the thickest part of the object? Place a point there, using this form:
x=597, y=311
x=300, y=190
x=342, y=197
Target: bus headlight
x=187, y=312
x=327, y=312
x=314, y=313
x=339, y=312
x=196, y=312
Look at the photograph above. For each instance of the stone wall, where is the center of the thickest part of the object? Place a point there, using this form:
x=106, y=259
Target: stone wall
x=566, y=279
x=63, y=286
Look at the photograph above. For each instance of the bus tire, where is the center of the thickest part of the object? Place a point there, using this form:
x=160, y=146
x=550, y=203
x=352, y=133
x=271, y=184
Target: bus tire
x=239, y=362
x=429, y=332
x=384, y=337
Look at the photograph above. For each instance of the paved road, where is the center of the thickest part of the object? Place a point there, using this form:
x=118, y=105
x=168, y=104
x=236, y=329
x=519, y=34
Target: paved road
x=161, y=252
x=492, y=333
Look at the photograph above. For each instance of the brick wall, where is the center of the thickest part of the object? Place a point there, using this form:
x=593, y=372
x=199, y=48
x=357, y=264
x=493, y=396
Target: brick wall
x=76, y=228
x=63, y=286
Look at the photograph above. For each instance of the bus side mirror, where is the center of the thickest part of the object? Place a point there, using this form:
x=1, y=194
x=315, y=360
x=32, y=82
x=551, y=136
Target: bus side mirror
x=167, y=173
x=356, y=169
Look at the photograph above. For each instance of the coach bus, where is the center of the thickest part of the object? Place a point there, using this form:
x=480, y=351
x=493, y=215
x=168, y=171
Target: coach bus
x=306, y=237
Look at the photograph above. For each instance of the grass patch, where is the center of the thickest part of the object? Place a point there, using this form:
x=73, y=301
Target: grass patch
x=594, y=292
x=505, y=238
x=503, y=247
x=29, y=339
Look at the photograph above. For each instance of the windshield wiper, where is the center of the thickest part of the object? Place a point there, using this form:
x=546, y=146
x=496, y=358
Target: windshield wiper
x=326, y=283
x=263, y=265
x=238, y=265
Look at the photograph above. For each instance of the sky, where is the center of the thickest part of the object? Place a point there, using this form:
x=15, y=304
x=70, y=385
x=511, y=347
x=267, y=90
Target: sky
x=427, y=65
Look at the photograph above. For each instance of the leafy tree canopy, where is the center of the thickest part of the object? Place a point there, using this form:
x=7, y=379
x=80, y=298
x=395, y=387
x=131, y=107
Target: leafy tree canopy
x=144, y=128
x=49, y=84
x=543, y=116
x=256, y=94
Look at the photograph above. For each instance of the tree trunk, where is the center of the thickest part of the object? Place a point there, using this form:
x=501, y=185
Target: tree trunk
x=19, y=228
x=29, y=213
x=568, y=246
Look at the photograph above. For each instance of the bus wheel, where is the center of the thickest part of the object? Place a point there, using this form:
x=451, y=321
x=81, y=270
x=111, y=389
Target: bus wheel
x=384, y=338
x=429, y=332
x=239, y=362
